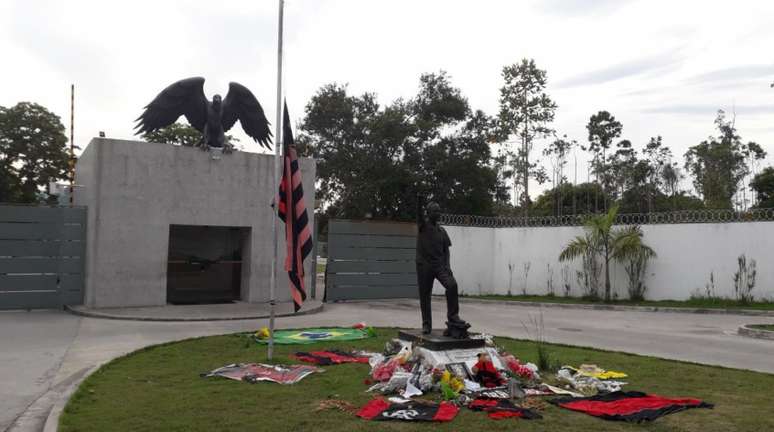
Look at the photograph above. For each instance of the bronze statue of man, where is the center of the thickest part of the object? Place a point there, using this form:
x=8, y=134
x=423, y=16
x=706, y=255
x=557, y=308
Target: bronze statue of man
x=433, y=263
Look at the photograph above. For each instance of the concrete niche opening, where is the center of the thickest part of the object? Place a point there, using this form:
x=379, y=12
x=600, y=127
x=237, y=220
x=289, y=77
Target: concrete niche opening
x=205, y=264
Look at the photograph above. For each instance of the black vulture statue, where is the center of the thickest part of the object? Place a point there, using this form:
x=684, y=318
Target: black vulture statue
x=212, y=119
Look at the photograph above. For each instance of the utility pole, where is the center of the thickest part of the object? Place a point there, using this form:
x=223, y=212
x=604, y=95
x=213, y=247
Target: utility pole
x=71, y=162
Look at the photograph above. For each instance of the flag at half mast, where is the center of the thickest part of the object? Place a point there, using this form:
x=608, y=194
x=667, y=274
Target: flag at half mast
x=292, y=211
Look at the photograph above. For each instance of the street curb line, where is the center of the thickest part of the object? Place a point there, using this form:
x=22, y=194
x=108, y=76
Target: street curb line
x=755, y=333
x=705, y=311
x=52, y=420
x=102, y=315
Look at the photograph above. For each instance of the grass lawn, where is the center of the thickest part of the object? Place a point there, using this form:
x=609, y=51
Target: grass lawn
x=768, y=327
x=691, y=303
x=159, y=388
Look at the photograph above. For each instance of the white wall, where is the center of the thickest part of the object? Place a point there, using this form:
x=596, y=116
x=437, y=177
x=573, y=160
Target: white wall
x=490, y=260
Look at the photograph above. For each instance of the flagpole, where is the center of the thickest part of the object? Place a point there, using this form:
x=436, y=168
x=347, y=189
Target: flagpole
x=277, y=157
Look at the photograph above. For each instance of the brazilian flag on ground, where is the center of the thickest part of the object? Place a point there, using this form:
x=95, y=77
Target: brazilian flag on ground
x=312, y=335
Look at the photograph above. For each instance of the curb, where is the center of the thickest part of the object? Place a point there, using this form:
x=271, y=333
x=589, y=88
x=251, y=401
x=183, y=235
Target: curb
x=52, y=420
x=38, y=415
x=103, y=315
x=706, y=311
x=755, y=333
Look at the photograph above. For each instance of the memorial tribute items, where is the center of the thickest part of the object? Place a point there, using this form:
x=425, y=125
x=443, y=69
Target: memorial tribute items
x=332, y=357
x=381, y=410
x=630, y=406
x=485, y=373
x=254, y=372
x=312, y=335
x=498, y=409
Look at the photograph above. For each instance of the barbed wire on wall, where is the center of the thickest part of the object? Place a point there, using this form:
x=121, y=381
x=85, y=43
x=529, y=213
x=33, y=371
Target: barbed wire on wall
x=674, y=217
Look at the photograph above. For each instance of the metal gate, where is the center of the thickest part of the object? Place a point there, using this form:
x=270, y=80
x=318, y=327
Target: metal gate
x=42, y=255
x=371, y=260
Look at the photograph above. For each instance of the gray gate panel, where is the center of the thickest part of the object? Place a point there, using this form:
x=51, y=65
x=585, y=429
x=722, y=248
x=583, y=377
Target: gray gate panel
x=372, y=228
x=74, y=215
x=381, y=254
x=371, y=266
x=12, y=213
x=26, y=248
x=382, y=279
x=40, y=231
x=42, y=255
x=74, y=249
x=376, y=241
x=370, y=292
x=71, y=282
x=42, y=248
x=30, y=300
x=41, y=265
x=34, y=282
x=371, y=260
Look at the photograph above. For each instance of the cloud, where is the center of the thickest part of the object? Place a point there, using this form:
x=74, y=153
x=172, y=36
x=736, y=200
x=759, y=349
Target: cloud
x=709, y=109
x=572, y=8
x=657, y=64
x=737, y=73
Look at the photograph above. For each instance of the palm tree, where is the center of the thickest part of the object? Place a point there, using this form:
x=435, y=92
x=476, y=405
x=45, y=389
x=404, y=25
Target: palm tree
x=602, y=240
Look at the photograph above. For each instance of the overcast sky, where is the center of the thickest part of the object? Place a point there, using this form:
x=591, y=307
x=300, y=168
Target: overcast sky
x=661, y=67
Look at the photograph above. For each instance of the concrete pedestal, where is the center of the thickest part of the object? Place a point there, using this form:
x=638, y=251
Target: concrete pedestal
x=135, y=190
x=436, y=341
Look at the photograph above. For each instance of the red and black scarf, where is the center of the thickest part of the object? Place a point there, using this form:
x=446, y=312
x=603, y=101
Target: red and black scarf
x=502, y=408
x=381, y=410
x=330, y=357
x=630, y=406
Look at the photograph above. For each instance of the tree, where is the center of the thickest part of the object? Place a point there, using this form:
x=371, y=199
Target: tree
x=658, y=156
x=177, y=133
x=33, y=151
x=374, y=160
x=670, y=177
x=573, y=199
x=603, y=240
x=621, y=169
x=719, y=164
x=603, y=128
x=763, y=185
x=181, y=134
x=753, y=153
x=557, y=152
x=526, y=111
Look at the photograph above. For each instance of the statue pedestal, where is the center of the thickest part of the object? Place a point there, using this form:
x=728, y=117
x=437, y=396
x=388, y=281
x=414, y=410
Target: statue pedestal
x=436, y=341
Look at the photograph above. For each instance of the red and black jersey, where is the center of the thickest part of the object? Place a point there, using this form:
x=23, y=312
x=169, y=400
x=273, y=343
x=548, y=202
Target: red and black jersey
x=379, y=409
x=502, y=408
x=631, y=406
x=326, y=358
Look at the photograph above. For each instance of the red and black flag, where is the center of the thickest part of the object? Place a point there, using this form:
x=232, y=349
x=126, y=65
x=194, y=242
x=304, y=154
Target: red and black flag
x=292, y=211
x=631, y=406
x=499, y=409
x=380, y=410
x=330, y=357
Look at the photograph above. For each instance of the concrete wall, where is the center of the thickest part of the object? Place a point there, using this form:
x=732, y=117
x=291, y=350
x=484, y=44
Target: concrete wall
x=136, y=190
x=492, y=260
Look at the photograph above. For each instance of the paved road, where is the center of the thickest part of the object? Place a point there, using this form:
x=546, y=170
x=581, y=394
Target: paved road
x=47, y=349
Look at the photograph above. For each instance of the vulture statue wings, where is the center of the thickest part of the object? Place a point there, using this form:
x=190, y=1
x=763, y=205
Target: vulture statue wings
x=212, y=119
